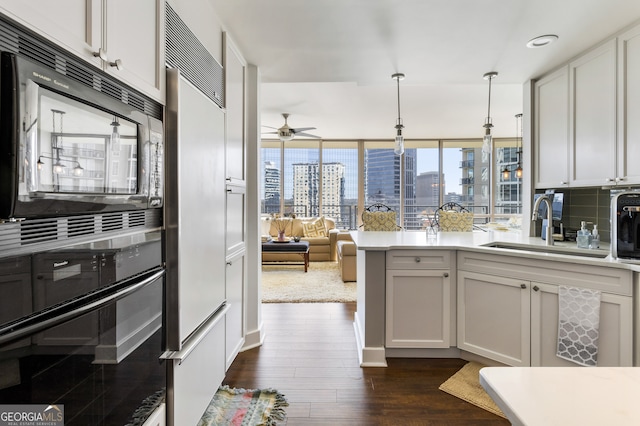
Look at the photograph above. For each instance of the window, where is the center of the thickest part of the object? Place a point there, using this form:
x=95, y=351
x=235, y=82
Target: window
x=332, y=178
x=340, y=183
x=270, y=177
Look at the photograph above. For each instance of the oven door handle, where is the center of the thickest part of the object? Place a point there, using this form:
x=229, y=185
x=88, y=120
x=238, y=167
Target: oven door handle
x=30, y=325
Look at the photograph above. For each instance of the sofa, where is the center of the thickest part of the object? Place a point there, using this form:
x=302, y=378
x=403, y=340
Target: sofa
x=320, y=232
x=347, y=251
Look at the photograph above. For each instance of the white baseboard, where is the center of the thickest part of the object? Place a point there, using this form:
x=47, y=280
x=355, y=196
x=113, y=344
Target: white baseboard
x=368, y=356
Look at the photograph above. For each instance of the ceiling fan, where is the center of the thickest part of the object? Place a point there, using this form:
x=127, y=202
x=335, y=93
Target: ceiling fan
x=286, y=133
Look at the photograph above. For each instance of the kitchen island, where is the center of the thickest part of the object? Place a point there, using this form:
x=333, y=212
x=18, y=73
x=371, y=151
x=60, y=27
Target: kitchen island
x=565, y=396
x=489, y=295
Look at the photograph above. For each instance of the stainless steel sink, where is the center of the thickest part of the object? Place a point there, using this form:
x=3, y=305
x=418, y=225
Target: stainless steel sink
x=569, y=251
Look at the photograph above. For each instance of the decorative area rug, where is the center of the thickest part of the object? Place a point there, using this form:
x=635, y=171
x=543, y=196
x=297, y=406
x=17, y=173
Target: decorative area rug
x=282, y=283
x=465, y=384
x=244, y=407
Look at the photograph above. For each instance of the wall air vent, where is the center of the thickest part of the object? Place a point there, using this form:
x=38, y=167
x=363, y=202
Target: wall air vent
x=81, y=225
x=112, y=222
x=185, y=52
x=136, y=219
x=33, y=235
x=21, y=41
x=39, y=231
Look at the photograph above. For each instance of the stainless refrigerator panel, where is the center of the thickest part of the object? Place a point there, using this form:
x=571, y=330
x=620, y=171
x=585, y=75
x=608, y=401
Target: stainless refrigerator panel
x=194, y=209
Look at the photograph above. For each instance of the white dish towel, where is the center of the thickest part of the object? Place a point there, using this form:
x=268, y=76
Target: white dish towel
x=578, y=325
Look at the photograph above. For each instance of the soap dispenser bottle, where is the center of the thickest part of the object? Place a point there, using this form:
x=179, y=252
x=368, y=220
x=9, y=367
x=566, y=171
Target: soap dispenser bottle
x=595, y=237
x=583, y=239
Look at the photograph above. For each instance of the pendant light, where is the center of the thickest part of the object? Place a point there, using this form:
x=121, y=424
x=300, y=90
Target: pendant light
x=486, y=141
x=398, y=148
x=519, y=147
x=518, y=171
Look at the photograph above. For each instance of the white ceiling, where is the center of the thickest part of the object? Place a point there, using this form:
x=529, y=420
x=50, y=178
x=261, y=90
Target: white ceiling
x=329, y=62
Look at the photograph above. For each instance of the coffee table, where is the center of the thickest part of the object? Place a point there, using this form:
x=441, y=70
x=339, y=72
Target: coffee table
x=286, y=247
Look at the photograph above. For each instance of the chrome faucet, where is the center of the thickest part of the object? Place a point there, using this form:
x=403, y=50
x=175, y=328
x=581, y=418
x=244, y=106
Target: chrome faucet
x=549, y=232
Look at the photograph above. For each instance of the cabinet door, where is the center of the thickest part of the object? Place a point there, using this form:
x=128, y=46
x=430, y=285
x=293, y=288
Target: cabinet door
x=234, y=68
x=615, y=341
x=494, y=317
x=592, y=102
x=551, y=121
x=628, y=138
x=234, y=325
x=74, y=25
x=418, y=304
x=134, y=33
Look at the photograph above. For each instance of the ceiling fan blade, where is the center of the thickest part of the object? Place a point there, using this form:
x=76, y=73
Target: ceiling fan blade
x=269, y=133
x=302, y=129
x=264, y=125
x=307, y=135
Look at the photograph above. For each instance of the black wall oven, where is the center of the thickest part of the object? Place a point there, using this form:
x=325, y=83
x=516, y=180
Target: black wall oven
x=82, y=326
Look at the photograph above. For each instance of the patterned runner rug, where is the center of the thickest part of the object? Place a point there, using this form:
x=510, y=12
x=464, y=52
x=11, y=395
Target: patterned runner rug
x=246, y=407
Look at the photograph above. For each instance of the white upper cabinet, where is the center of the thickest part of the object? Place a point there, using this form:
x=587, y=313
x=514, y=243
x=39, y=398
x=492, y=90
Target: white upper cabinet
x=73, y=24
x=551, y=130
x=134, y=43
x=592, y=108
x=124, y=38
x=592, y=104
x=629, y=107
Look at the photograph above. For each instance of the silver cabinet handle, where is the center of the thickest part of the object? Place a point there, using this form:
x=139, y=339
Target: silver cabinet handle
x=523, y=286
x=100, y=54
x=446, y=274
x=117, y=64
x=417, y=260
x=229, y=263
x=536, y=288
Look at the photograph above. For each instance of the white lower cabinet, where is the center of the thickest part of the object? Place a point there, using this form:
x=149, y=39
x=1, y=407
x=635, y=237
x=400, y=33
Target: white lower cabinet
x=418, y=309
x=494, y=317
x=418, y=299
x=615, y=341
x=514, y=320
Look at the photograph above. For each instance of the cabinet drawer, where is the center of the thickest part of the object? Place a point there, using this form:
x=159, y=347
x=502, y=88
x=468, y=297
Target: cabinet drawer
x=418, y=259
x=558, y=272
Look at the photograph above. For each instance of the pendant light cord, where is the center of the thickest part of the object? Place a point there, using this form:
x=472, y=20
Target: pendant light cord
x=489, y=107
x=398, y=81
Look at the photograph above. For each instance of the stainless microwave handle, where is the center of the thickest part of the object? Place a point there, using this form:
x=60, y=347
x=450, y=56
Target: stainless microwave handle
x=19, y=331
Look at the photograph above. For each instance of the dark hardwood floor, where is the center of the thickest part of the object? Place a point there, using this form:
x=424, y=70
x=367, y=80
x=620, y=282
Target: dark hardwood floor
x=309, y=355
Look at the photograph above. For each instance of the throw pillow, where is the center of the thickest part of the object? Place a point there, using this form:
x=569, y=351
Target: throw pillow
x=379, y=221
x=315, y=228
x=452, y=221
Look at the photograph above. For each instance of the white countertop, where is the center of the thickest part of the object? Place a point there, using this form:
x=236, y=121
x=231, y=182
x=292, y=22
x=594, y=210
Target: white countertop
x=565, y=396
x=476, y=241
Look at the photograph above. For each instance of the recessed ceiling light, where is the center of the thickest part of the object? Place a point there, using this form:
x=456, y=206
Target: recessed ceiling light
x=541, y=41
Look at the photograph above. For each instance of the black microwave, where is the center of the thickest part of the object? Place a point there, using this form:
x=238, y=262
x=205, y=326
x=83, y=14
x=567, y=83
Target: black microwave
x=66, y=148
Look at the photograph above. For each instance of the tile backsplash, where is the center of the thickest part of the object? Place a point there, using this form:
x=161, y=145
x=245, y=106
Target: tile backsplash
x=589, y=204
